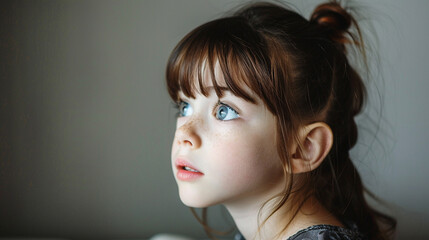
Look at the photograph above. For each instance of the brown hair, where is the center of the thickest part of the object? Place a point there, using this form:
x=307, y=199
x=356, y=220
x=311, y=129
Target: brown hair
x=300, y=70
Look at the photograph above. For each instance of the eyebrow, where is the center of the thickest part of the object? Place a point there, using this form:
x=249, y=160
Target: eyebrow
x=221, y=88
x=224, y=89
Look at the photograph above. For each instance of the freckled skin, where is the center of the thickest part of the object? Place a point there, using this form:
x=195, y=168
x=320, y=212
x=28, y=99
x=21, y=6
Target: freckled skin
x=238, y=157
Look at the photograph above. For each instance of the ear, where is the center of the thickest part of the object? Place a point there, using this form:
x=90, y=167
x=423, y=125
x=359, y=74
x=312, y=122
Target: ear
x=316, y=141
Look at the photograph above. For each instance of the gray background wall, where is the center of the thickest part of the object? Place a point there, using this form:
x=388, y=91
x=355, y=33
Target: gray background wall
x=86, y=123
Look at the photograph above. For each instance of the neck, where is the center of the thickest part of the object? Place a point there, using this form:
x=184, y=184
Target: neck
x=245, y=215
x=249, y=216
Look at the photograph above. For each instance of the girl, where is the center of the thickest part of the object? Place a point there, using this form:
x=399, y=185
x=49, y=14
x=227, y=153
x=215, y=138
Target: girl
x=267, y=101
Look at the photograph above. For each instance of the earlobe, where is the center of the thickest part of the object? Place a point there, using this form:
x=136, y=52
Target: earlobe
x=315, y=143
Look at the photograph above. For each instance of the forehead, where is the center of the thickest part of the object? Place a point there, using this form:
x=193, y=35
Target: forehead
x=207, y=78
x=211, y=75
x=219, y=84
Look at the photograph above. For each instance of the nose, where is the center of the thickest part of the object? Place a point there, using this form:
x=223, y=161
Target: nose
x=187, y=135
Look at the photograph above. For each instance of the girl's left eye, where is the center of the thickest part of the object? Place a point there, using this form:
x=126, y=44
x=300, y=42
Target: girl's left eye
x=185, y=109
x=225, y=112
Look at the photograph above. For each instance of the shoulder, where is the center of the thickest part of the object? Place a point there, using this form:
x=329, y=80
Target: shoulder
x=325, y=232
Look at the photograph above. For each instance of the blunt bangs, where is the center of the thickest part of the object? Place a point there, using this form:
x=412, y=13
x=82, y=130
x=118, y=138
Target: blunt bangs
x=229, y=45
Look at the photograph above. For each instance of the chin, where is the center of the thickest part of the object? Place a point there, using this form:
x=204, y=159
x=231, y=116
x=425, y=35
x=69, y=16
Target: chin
x=196, y=200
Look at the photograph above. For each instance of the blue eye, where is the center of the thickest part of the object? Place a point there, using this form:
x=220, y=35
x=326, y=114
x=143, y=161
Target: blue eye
x=184, y=109
x=225, y=113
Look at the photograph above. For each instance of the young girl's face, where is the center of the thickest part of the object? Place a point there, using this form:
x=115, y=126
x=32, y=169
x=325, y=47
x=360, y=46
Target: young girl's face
x=224, y=150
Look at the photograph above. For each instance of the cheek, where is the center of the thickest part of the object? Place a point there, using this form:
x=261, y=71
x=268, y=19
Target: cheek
x=244, y=158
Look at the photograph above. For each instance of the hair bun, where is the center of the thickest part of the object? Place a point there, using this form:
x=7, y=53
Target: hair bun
x=332, y=15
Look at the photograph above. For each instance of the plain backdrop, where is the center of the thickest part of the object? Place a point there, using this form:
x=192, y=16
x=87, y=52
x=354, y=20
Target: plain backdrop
x=86, y=123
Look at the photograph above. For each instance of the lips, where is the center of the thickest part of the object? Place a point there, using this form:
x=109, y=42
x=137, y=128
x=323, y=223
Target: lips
x=186, y=171
x=185, y=165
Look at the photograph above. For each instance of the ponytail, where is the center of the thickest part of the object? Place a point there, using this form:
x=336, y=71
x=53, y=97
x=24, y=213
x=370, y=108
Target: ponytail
x=343, y=193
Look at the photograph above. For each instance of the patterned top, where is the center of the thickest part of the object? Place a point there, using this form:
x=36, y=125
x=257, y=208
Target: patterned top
x=328, y=232
x=323, y=232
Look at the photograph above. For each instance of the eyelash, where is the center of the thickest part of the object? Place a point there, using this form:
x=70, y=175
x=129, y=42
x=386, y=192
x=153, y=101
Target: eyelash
x=176, y=105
